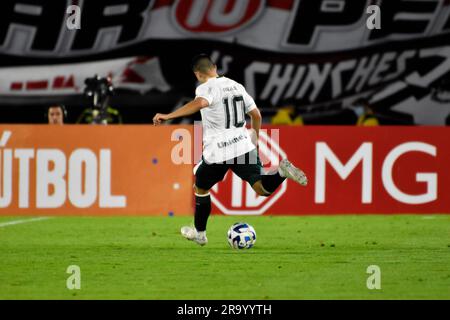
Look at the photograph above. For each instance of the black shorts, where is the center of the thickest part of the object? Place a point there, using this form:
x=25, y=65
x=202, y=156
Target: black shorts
x=248, y=167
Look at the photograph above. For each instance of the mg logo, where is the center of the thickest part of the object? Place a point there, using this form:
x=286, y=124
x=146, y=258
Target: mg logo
x=218, y=16
x=236, y=197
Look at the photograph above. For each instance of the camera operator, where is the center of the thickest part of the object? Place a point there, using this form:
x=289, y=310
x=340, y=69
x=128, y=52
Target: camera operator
x=99, y=91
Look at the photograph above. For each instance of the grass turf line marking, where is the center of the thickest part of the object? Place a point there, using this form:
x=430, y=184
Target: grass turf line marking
x=14, y=222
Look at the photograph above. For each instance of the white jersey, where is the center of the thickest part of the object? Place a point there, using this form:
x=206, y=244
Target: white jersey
x=224, y=133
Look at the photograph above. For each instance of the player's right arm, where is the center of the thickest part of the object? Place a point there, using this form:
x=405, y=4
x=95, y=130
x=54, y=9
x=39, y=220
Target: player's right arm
x=186, y=110
x=204, y=96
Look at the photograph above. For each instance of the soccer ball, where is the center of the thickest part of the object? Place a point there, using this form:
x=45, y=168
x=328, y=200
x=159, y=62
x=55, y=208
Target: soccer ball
x=241, y=235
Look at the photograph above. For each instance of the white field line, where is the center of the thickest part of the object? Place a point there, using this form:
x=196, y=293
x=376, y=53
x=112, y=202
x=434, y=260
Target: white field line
x=14, y=222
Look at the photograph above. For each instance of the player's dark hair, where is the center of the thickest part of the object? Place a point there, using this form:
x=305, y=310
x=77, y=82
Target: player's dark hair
x=202, y=63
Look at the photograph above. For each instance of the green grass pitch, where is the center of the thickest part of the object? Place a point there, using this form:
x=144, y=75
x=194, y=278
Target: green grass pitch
x=311, y=257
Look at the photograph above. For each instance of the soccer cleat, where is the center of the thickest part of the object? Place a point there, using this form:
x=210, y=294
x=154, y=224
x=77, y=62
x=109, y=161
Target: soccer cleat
x=191, y=234
x=289, y=171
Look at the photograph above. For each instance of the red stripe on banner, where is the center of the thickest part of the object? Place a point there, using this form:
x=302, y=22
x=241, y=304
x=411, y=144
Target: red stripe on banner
x=70, y=82
x=16, y=86
x=162, y=3
x=281, y=4
x=385, y=176
x=58, y=82
x=142, y=59
x=36, y=85
x=278, y=4
x=230, y=6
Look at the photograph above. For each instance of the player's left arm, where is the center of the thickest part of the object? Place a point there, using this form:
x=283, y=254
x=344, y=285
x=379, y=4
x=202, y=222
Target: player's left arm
x=256, y=120
x=186, y=110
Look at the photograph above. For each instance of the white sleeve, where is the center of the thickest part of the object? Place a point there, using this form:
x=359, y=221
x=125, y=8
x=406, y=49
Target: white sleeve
x=249, y=103
x=206, y=93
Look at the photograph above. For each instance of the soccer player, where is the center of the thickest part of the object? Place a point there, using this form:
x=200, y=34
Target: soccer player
x=227, y=144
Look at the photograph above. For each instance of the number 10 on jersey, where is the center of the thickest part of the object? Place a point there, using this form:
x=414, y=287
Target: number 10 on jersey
x=234, y=105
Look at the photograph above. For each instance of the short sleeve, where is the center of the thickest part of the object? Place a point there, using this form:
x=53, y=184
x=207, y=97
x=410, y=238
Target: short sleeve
x=249, y=103
x=206, y=93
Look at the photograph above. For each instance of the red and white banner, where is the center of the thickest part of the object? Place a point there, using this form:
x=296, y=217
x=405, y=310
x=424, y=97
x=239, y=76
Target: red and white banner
x=136, y=73
x=306, y=26
x=350, y=170
x=318, y=53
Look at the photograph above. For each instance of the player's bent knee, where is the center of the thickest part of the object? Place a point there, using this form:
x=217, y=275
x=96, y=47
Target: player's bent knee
x=200, y=192
x=260, y=190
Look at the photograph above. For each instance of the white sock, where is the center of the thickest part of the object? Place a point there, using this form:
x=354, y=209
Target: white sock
x=201, y=234
x=280, y=172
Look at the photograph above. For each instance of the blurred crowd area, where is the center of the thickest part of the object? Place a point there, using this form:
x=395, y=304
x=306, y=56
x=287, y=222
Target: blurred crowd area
x=101, y=103
x=117, y=111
